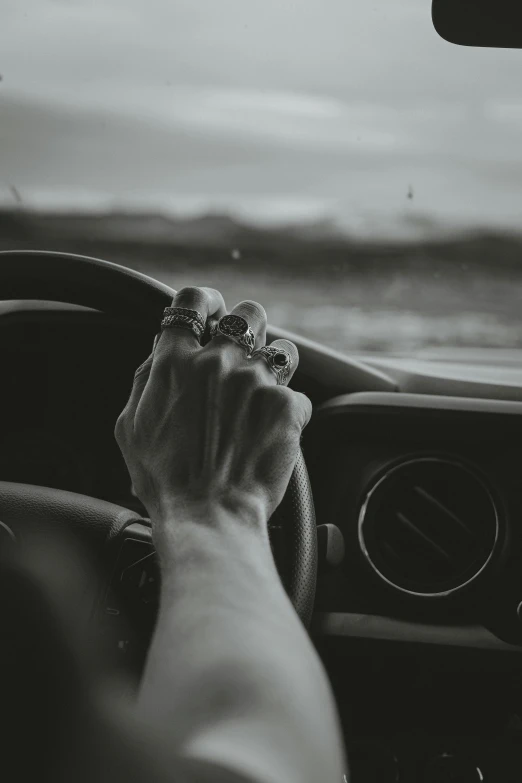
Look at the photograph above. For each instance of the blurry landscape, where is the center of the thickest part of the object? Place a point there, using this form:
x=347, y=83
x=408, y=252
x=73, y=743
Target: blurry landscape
x=352, y=295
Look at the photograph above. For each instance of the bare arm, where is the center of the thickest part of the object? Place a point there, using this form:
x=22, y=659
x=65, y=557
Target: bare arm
x=231, y=670
x=232, y=681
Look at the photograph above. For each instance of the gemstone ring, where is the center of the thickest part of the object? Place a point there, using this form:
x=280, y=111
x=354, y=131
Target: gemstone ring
x=279, y=361
x=236, y=328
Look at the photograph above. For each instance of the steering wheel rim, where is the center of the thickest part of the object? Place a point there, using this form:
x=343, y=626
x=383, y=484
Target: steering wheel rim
x=117, y=290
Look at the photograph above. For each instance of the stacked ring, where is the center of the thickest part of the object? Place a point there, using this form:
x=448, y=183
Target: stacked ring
x=175, y=311
x=184, y=318
x=278, y=360
x=236, y=328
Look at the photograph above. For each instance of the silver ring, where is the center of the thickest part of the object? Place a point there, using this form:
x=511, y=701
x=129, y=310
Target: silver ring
x=185, y=319
x=185, y=311
x=236, y=328
x=279, y=361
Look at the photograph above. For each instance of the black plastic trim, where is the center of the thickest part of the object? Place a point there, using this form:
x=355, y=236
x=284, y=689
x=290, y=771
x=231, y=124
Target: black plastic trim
x=386, y=629
x=411, y=403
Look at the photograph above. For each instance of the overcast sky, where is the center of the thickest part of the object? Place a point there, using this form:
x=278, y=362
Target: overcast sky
x=273, y=109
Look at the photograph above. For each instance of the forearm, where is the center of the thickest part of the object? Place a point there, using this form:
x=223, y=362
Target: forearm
x=232, y=675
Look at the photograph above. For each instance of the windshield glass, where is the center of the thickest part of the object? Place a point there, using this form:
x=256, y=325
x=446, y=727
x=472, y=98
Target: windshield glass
x=334, y=159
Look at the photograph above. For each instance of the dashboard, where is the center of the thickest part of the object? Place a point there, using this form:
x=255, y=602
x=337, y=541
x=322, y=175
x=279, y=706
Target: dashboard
x=420, y=625
x=427, y=493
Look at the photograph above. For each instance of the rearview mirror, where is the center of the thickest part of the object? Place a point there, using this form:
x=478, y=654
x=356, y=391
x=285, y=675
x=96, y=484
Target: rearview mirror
x=495, y=23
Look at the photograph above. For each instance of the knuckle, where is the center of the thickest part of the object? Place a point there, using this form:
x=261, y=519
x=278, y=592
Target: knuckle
x=288, y=409
x=283, y=398
x=210, y=362
x=243, y=380
x=277, y=399
x=262, y=396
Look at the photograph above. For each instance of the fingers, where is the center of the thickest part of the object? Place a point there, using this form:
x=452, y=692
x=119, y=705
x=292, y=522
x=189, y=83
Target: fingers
x=303, y=406
x=288, y=347
x=255, y=315
x=298, y=404
x=206, y=301
x=178, y=341
x=270, y=367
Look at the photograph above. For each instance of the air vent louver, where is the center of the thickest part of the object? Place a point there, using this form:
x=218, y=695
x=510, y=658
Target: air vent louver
x=428, y=526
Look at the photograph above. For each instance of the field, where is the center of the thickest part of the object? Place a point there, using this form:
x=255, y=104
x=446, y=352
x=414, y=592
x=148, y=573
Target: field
x=352, y=296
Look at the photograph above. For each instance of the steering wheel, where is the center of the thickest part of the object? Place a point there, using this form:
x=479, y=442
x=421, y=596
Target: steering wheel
x=114, y=289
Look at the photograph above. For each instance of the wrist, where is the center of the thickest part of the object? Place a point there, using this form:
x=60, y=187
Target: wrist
x=213, y=540
x=226, y=515
x=213, y=511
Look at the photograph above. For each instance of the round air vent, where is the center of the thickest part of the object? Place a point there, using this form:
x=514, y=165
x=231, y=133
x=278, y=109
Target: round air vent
x=428, y=527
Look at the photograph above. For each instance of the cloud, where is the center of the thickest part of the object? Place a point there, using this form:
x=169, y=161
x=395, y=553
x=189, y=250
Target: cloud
x=327, y=104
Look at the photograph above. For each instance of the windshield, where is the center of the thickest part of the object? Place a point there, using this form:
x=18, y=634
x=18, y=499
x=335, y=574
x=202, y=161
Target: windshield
x=334, y=159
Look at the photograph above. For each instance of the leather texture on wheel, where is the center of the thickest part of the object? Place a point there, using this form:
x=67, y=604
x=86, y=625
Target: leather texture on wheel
x=296, y=552
x=27, y=509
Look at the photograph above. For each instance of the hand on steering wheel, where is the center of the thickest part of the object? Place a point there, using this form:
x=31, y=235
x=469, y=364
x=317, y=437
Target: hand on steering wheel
x=207, y=428
x=260, y=454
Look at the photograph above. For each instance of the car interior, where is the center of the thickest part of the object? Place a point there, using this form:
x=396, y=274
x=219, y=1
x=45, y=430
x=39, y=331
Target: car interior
x=415, y=475
x=416, y=488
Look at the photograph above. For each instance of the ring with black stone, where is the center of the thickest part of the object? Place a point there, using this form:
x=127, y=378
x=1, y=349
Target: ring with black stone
x=279, y=361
